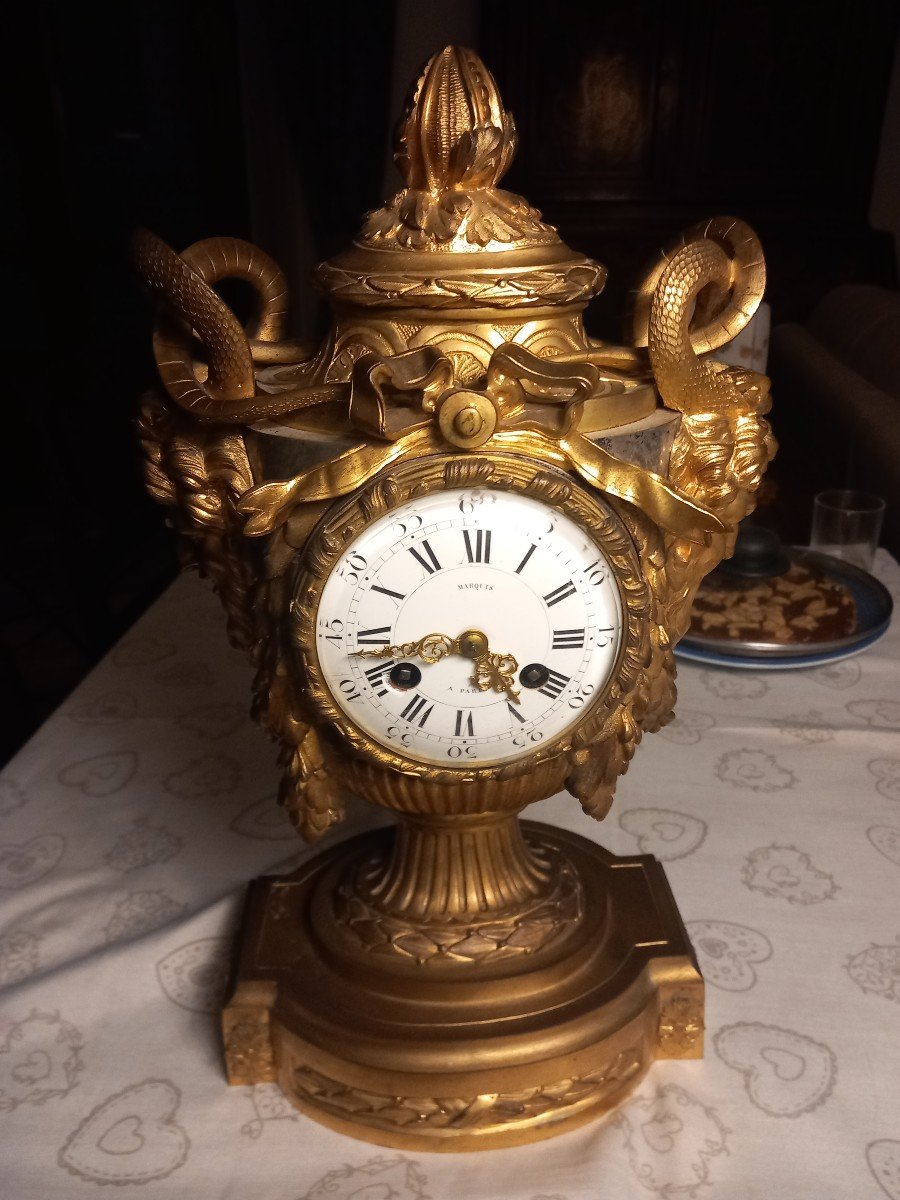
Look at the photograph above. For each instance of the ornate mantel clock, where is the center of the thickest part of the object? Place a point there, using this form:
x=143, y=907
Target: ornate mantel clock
x=459, y=540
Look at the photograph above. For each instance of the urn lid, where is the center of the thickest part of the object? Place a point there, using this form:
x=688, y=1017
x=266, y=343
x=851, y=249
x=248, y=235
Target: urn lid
x=451, y=238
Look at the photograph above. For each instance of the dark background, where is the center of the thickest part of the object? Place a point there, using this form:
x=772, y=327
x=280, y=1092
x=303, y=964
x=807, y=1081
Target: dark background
x=271, y=121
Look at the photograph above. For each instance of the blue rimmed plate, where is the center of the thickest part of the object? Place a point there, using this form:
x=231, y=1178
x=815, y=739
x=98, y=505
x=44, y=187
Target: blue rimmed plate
x=873, y=617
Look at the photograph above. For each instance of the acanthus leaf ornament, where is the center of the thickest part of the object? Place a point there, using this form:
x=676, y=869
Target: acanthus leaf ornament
x=457, y=455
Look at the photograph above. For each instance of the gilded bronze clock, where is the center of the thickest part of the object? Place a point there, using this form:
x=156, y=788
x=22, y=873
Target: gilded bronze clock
x=459, y=541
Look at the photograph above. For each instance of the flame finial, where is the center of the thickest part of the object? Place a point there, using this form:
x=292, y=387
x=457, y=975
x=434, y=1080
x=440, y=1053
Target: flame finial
x=455, y=131
x=454, y=143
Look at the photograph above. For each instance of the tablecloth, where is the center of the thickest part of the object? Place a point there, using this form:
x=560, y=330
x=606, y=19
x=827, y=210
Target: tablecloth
x=132, y=821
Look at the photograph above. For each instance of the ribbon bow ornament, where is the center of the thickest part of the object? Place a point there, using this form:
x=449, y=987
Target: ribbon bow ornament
x=392, y=397
x=406, y=406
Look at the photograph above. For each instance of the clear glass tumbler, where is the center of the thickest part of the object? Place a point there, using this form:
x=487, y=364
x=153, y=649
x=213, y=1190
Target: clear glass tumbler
x=846, y=525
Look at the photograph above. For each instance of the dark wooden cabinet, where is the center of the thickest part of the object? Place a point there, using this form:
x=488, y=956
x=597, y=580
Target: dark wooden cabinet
x=639, y=117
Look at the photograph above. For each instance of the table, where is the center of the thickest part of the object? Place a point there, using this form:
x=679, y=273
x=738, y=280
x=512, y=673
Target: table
x=131, y=822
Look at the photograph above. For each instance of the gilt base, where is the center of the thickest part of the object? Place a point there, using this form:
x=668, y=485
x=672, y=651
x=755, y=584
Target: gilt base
x=473, y=1041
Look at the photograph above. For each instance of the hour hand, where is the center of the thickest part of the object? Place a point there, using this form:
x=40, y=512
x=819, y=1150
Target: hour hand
x=496, y=671
x=492, y=672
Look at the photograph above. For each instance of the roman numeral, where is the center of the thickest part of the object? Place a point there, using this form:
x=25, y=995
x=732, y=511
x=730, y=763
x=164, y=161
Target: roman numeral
x=376, y=587
x=561, y=593
x=430, y=563
x=374, y=637
x=376, y=677
x=482, y=550
x=413, y=709
x=528, y=554
x=554, y=685
x=464, y=728
x=514, y=710
x=568, y=639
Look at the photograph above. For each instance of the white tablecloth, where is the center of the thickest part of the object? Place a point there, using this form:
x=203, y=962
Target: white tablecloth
x=131, y=822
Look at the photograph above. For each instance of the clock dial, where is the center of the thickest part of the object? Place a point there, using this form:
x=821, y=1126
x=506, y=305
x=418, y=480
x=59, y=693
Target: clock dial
x=525, y=576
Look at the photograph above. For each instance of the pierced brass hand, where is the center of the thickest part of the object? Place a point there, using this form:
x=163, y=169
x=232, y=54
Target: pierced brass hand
x=493, y=672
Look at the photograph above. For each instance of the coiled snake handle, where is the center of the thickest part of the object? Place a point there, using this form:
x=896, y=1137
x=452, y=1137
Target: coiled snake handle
x=184, y=283
x=700, y=295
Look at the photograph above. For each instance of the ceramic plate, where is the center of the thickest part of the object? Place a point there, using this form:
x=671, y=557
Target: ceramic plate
x=873, y=616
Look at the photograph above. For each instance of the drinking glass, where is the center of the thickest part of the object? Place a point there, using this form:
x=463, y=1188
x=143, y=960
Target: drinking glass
x=846, y=524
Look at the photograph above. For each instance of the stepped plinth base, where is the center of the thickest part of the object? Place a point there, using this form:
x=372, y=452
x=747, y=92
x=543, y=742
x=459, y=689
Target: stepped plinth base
x=462, y=1034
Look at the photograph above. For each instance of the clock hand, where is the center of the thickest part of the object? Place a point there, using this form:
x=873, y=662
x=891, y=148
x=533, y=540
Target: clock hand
x=492, y=672
x=496, y=671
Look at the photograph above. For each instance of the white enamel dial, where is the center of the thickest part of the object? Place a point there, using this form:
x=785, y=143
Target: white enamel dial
x=524, y=574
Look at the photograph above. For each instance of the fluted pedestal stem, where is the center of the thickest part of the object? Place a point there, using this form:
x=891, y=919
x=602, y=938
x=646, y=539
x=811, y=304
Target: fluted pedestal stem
x=451, y=868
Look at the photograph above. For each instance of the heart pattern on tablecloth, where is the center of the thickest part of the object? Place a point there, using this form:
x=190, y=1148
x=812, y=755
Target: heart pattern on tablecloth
x=189, y=673
x=208, y=775
x=883, y=1158
x=214, y=720
x=879, y=714
x=887, y=772
x=728, y=953
x=142, y=652
x=142, y=846
x=785, y=1073
x=886, y=840
x=132, y=1137
x=788, y=874
x=732, y=685
x=26, y=864
x=810, y=728
x=105, y=710
x=19, y=955
x=101, y=774
x=839, y=675
x=687, y=727
x=664, y=832
x=39, y=1061
x=390, y=1177
x=270, y=1104
x=754, y=769
x=195, y=976
x=12, y=796
x=264, y=820
x=877, y=970
x=671, y=1138
x=141, y=912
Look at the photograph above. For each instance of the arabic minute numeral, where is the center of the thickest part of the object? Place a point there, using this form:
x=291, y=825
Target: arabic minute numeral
x=407, y=523
x=351, y=570
x=581, y=696
x=604, y=636
x=350, y=690
x=523, y=738
x=332, y=631
x=596, y=573
x=461, y=751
